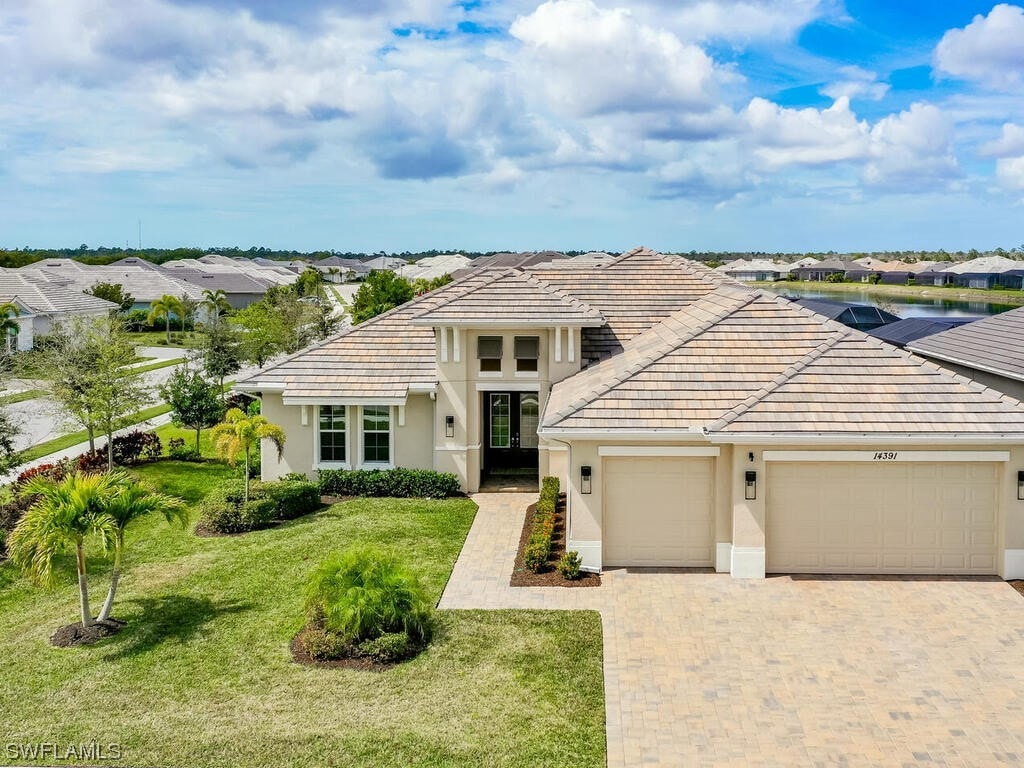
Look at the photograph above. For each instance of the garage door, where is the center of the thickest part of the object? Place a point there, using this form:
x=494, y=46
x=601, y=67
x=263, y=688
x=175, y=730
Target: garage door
x=658, y=512
x=881, y=518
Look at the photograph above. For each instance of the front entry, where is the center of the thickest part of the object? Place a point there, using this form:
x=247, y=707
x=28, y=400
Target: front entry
x=510, y=430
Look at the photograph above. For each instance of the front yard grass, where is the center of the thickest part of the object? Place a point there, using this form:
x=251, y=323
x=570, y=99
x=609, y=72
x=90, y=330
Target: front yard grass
x=202, y=675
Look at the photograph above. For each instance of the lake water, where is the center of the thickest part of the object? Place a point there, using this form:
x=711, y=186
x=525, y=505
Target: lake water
x=904, y=306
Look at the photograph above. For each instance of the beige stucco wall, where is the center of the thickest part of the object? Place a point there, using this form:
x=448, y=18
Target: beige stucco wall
x=461, y=387
x=298, y=447
x=740, y=523
x=414, y=442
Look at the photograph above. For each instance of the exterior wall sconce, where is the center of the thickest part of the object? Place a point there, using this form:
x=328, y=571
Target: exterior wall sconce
x=750, y=485
x=1020, y=485
x=585, y=473
x=449, y=426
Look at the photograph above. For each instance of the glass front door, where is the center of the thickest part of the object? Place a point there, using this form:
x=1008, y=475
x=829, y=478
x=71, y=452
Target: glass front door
x=510, y=430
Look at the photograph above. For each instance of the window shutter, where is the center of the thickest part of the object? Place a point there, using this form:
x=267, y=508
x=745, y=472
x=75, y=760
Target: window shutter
x=527, y=347
x=488, y=348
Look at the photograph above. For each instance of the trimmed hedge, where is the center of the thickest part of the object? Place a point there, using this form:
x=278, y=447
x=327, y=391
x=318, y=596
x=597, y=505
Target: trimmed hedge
x=396, y=483
x=224, y=511
x=538, y=548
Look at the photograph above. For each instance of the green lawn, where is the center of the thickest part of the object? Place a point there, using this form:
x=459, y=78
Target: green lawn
x=66, y=441
x=159, y=339
x=202, y=675
x=155, y=366
x=29, y=394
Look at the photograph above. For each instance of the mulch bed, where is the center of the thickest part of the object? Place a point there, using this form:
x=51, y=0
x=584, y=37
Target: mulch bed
x=1017, y=584
x=75, y=634
x=299, y=656
x=549, y=575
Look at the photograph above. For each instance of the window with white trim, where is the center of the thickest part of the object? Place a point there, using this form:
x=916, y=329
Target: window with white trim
x=377, y=434
x=332, y=434
x=489, y=351
x=527, y=352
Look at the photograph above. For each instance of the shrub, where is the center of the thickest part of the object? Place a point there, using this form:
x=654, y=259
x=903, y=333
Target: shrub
x=835, y=277
x=130, y=448
x=179, y=450
x=538, y=547
x=569, y=565
x=223, y=510
x=365, y=592
x=257, y=513
x=92, y=461
x=322, y=645
x=295, y=477
x=292, y=498
x=388, y=648
x=398, y=483
x=53, y=472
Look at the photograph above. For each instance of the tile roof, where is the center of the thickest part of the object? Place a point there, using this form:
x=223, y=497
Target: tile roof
x=902, y=332
x=385, y=357
x=509, y=297
x=46, y=298
x=993, y=344
x=633, y=292
x=741, y=361
x=985, y=265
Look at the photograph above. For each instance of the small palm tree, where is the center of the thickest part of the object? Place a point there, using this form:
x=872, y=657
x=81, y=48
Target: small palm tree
x=239, y=433
x=217, y=302
x=8, y=325
x=130, y=501
x=162, y=309
x=66, y=513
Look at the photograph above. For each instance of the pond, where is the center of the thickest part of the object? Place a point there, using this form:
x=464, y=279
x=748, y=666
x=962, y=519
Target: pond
x=904, y=306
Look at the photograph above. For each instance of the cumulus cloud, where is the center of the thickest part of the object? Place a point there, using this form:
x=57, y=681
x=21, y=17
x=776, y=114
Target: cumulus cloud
x=856, y=82
x=1008, y=150
x=988, y=50
x=591, y=61
x=782, y=136
x=912, y=149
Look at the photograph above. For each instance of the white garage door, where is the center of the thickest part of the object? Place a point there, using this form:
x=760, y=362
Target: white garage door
x=881, y=518
x=658, y=511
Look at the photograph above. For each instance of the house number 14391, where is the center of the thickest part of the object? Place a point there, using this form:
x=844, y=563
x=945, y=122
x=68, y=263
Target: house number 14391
x=885, y=456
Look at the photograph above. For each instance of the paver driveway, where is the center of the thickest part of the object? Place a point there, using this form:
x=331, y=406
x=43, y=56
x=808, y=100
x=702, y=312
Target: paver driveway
x=702, y=669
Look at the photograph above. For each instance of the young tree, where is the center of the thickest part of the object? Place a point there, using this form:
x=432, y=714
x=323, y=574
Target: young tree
x=66, y=514
x=265, y=332
x=309, y=283
x=189, y=307
x=115, y=392
x=380, y=292
x=195, y=402
x=221, y=353
x=9, y=327
x=114, y=292
x=129, y=502
x=162, y=309
x=239, y=433
x=9, y=456
x=216, y=304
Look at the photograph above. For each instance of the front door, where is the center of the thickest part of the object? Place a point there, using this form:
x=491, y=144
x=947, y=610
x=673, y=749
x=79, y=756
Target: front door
x=510, y=430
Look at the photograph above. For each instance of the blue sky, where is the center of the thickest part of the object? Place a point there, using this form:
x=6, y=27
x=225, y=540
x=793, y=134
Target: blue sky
x=414, y=124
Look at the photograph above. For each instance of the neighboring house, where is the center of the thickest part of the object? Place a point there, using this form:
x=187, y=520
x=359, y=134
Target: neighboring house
x=42, y=304
x=821, y=270
x=806, y=261
x=990, y=351
x=145, y=283
x=692, y=421
x=902, y=332
x=433, y=267
x=386, y=263
x=338, y=270
x=902, y=273
x=240, y=289
x=987, y=272
x=862, y=317
x=755, y=270
x=511, y=260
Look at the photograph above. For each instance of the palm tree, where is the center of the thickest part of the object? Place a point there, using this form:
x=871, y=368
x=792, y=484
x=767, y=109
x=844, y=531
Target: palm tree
x=217, y=302
x=66, y=513
x=163, y=308
x=130, y=501
x=8, y=326
x=239, y=433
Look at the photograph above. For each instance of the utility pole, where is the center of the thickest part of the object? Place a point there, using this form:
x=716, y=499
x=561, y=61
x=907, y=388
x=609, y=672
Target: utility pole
x=140, y=234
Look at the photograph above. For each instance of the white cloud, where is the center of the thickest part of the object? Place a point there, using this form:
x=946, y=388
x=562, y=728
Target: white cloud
x=733, y=20
x=590, y=61
x=1009, y=144
x=856, y=82
x=1010, y=172
x=990, y=49
x=913, y=149
x=783, y=136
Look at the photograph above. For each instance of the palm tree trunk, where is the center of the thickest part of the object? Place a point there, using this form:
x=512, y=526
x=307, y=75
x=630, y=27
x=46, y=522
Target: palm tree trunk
x=83, y=586
x=167, y=326
x=115, y=577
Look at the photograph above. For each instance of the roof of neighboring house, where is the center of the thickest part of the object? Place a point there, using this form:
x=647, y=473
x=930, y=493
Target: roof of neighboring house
x=754, y=265
x=509, y=297
x=512, y=260
x=834, y=310
x=833, y=264
x=338, y=261
x=742, y=361
x=902, y=332
x=806, y=261
x=45, y=298
x=436, y=266
x=144, y=284
x=385, y=262
x=134, y=261
x=993, y=344
x=229, y=282
x=985, y=265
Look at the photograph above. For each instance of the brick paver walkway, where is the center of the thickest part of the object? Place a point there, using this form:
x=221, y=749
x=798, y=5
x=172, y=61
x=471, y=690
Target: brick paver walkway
x=702, y=669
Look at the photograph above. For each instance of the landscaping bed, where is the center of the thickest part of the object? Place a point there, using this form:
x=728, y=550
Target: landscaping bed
x=548, y=576
x=1017, y=584
x=73, y=635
